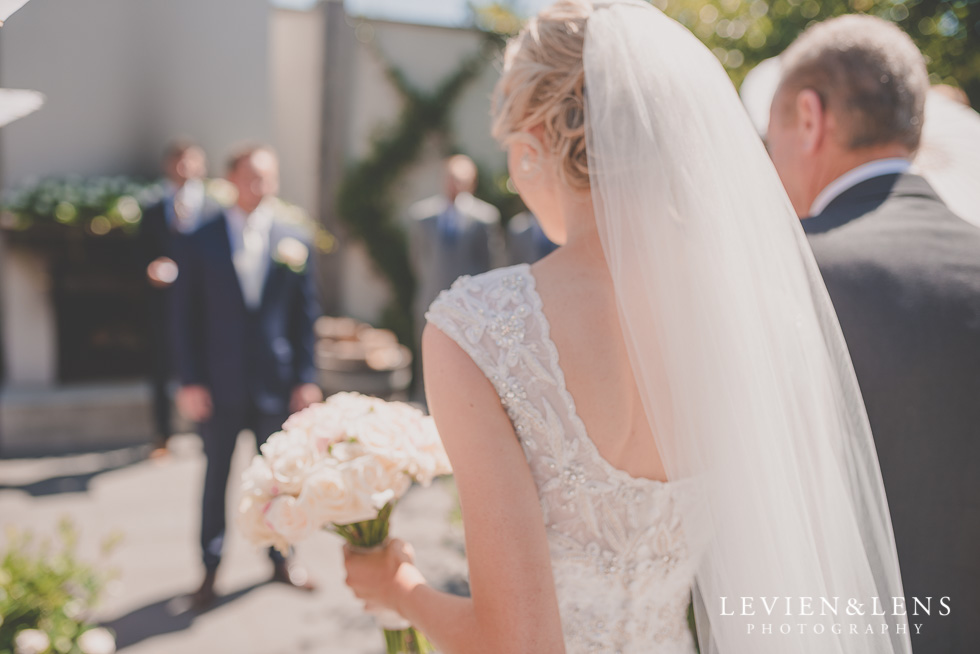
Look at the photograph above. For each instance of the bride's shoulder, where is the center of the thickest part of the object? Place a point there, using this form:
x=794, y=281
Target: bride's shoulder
x=480, y=312
x=484, y=293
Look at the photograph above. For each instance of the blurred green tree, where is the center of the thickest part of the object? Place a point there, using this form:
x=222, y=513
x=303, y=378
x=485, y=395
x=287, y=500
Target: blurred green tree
x=744, y=32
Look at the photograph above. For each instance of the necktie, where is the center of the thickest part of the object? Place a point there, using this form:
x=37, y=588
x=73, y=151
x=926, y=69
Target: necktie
x=448, y=226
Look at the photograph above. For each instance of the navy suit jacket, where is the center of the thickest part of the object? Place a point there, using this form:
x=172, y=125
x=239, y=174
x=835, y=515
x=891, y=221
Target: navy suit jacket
x=155, y=236
x=245, y=357
x=904, y=275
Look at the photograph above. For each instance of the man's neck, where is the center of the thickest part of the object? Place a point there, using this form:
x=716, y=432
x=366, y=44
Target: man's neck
x=246, y=210
x=844, y=161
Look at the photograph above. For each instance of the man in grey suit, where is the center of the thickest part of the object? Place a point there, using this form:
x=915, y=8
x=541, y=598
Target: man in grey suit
x=526, y=241
x=452, y=234
x=904, y=275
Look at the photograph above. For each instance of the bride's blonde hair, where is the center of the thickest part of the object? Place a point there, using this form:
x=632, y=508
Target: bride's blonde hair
x=543, y=83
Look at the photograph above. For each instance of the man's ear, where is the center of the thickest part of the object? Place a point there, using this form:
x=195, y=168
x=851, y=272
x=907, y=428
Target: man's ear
x=811, y=120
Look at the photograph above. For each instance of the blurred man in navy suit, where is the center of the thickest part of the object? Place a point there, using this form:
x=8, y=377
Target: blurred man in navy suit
x=177, y=213
x=243, y=311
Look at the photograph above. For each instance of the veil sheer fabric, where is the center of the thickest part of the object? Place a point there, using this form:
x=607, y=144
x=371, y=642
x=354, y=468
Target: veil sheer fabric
x=735, y=346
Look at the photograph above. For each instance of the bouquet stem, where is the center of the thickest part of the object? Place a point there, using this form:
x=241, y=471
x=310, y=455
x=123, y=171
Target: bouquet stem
x=407, y=641
x=370, y=535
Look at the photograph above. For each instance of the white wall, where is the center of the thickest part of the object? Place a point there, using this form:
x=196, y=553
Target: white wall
x=122, y=78
x=296, y=68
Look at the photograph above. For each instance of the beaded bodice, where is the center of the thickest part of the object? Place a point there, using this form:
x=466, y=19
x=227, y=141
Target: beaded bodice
x=621, y=551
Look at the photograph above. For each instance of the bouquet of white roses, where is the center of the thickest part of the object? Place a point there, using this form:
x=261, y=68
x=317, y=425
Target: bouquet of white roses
x=342, y=465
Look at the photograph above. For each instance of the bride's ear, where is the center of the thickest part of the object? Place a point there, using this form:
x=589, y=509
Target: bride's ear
x=527, y=152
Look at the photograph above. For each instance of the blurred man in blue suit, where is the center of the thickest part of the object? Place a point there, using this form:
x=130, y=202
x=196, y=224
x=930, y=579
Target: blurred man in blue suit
x=243, y=311
x=178, y=212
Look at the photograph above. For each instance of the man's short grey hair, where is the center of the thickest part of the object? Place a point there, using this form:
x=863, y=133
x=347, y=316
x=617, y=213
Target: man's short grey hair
x=868, y=74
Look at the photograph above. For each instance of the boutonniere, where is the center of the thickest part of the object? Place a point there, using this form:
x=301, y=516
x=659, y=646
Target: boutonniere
x=291, y=252
x=221, y=191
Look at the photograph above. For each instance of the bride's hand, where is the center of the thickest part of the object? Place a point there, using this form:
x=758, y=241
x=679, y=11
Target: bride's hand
x=383, y=577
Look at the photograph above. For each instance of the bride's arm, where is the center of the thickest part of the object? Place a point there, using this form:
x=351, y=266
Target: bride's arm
x=513, y=606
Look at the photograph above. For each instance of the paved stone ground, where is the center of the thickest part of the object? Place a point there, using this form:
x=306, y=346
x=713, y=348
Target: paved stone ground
x=154, y=504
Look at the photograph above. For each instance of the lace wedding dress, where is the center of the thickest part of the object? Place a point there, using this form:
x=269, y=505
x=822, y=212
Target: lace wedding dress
x=622, y=548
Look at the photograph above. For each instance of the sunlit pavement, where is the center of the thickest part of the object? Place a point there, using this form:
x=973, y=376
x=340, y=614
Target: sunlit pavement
x=154, y=504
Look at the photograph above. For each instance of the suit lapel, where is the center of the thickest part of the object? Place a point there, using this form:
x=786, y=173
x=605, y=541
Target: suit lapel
x=855, y=202
x=222, y=246
x=865, y=197
x=275, y=275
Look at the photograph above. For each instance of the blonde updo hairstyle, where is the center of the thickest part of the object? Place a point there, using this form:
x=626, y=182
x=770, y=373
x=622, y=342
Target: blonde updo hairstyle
x=543, y=84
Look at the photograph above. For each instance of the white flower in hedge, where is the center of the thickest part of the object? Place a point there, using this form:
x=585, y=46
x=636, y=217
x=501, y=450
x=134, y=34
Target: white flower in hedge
x=291, y=253
x=329, y=497
x=31, y=641
x=97, y=641
x=290, y=519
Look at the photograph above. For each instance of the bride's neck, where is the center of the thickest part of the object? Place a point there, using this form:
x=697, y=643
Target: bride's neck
x=581, y=233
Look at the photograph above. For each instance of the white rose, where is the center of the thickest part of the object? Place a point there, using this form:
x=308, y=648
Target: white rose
x=428, y=457
x=322, y=423
x=281, y=442
x=289, y=518
x=253, y=524
x=31, y=641
x=97, y=641
x=292, y=253
x=329, y=498
x=370, y=477
x=346, y=451
x=290, y=457
x=257, y=479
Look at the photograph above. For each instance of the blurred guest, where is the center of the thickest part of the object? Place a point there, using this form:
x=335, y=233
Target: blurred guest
x=243, y=313
x=904, y=275
x=526, y=241
x=452, y=234
x=949, y=156
x=953, y=93
x=178, y=212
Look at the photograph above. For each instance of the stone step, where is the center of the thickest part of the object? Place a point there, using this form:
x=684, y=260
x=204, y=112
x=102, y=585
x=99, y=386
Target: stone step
x=74, y=418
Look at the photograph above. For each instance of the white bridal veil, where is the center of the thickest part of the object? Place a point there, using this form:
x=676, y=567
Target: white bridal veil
x=736, y=348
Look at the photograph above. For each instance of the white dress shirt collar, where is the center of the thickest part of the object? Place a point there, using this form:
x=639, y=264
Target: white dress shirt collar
x=855, y=176
x=260, y=219
x=190, y=198
x=250, y=248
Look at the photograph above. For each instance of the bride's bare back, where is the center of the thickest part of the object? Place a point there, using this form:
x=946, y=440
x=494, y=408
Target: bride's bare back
x=578, y=299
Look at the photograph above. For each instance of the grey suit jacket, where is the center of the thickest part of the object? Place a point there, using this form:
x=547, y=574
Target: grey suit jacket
x=438, y=259
x=904, y=276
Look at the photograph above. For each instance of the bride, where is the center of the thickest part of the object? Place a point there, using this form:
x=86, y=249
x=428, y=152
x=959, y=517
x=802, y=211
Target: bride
x=662, y=412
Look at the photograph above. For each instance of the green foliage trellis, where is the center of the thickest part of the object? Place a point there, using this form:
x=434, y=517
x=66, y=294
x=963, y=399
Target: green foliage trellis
x=365, y=200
